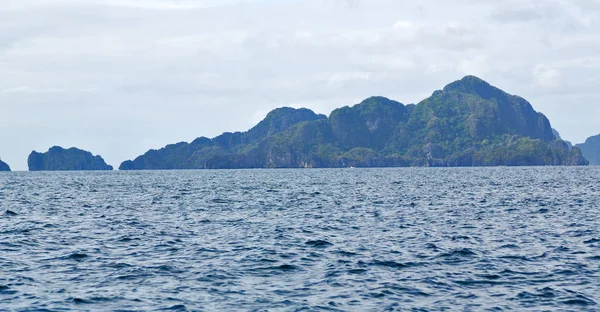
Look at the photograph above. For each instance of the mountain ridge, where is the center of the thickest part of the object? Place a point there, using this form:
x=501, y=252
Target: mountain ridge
x=467, y=123
x=279, y=119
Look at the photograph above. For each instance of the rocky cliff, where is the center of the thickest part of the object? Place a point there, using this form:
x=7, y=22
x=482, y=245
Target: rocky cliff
x=59, y=159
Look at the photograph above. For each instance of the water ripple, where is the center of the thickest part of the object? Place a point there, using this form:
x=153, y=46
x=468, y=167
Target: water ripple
x=420, y=239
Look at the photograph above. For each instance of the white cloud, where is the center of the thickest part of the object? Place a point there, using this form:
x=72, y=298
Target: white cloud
x=340, y=78
x=403, y=24
x=138, y=4
x=546, y=76
x=476, y=65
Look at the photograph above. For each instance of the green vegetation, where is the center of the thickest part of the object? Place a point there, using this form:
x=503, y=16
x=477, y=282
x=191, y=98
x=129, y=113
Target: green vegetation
x=468, y=123
x=59, y=159
x=591, y=149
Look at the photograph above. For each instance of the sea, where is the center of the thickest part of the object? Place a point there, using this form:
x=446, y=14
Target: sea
x=405, y=239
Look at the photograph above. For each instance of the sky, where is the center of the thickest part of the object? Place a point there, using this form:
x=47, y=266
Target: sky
x=119, y=77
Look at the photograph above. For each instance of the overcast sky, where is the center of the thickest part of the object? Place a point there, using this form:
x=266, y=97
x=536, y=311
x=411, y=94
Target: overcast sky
x=118, y=77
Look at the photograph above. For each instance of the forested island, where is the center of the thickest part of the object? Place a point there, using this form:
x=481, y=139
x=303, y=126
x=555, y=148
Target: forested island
x=468, y=123
x=60, y=159
x=591, y=149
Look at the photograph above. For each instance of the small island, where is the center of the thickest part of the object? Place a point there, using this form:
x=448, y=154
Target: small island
x=591, y=149
x=4, y=166
x=60, y=159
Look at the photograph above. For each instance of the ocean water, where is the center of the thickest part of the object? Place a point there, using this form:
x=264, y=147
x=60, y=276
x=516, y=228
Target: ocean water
x=412, y=239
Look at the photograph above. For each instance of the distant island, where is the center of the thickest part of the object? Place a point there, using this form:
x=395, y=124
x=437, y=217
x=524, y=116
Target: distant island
x=60, y=159
x=591, y=149
x=468, y=123
x=4, y=166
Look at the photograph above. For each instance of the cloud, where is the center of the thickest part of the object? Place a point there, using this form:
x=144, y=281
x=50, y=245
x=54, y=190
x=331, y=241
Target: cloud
x=402, y=24
x=519, y=14
x=546, y=76
x=137, y=4
x=559, y=15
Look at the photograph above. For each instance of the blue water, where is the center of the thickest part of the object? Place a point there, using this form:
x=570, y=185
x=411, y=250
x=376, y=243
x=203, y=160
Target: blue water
x=472, y=239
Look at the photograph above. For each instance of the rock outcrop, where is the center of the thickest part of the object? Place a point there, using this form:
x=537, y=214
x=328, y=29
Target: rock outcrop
x=60, y=159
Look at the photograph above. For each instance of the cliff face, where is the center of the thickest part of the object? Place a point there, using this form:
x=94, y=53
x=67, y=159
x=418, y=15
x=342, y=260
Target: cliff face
x=4, y=166
x=59, y=159
x=468, y=123
x=591, y=149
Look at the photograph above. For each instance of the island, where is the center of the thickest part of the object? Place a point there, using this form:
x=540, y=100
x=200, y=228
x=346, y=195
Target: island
x=60, y=159
x=467, y=123
x=591, y=149
x=4, y=166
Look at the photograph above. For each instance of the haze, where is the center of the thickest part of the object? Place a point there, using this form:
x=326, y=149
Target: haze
x=118, y=77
